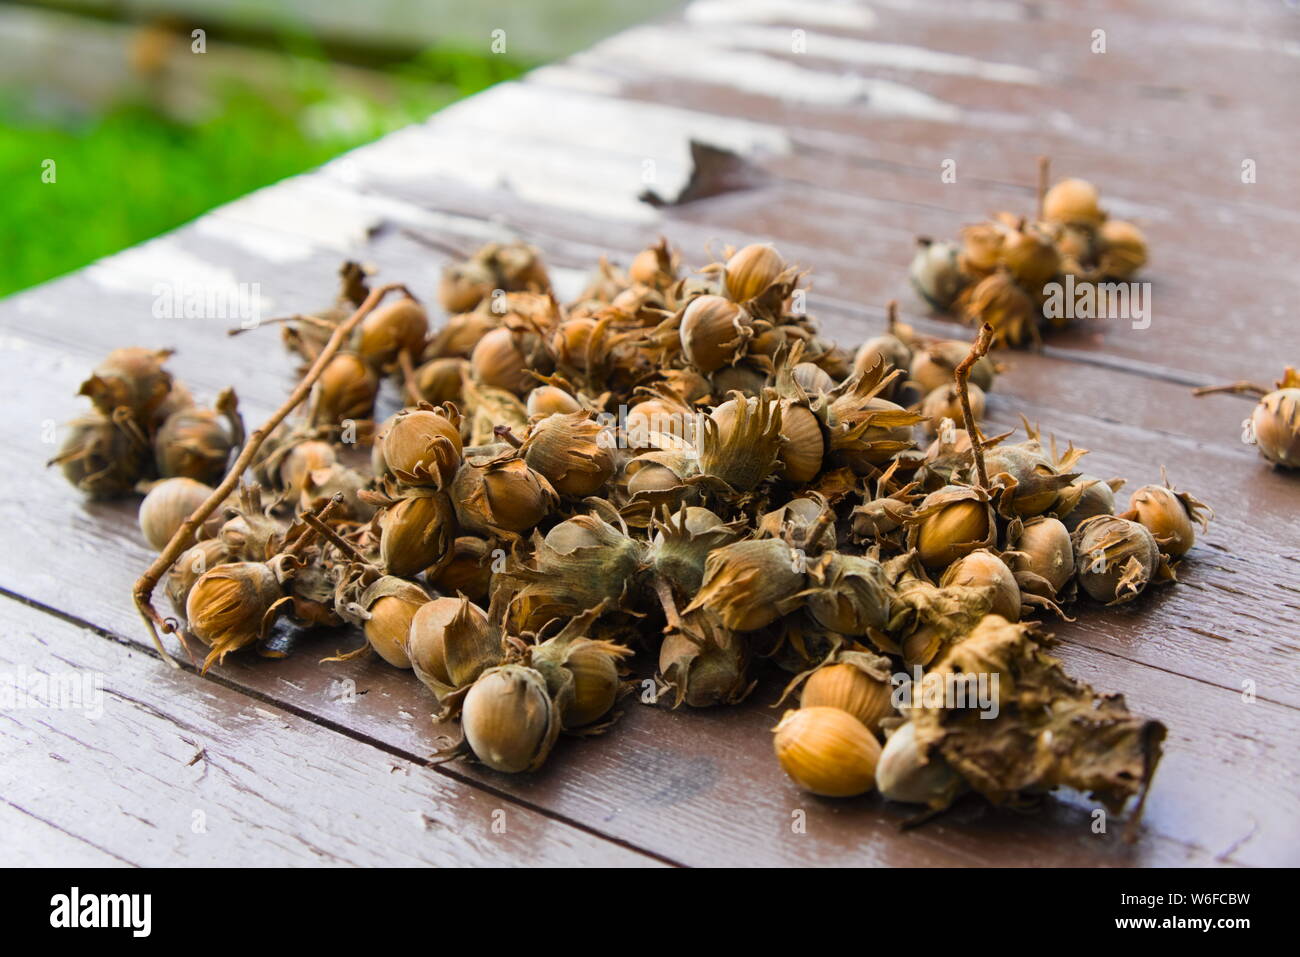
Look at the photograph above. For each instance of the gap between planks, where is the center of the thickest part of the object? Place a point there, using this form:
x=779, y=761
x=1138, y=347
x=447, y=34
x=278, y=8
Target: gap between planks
x=325, y=723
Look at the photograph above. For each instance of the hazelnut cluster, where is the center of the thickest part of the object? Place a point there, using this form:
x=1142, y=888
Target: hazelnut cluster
x=676, y=475
x=145, y=426
x=1002, y=272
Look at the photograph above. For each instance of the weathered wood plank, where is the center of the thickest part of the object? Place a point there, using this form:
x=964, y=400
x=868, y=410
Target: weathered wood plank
x=709, y=763
x=31, y=841
x=672, y=782
x=1133, y=425
x=152, y=767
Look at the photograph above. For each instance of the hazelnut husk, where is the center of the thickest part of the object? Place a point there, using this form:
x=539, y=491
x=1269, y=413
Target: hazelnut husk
x=166, y=507
x=952, y=522
x=385, y=610
x=714, y=332
x=399, y=325
x=1030, y=258
x=1274, y=426
x=422, y=447
x=936, y=274
x=503, y=495
x=1117, y=559
x=1084, y=498
x=1049, y=731
x=416, y=533
x=134, y=379
x=1170, y=515
x=294, y=467
x=581, y=563
x=751, y=584
x=1042, y=557
x=682, y=542
x=572, y=451
x=191, y=566
x=451, y=642
x=997, y=300
x=827, y=751
x=197, y=443
x=231, y=606
x=345, y=391
x=509, y=719
x=741, y=441
x=1073, y=202
x=704, y=664
x=102, y=457
x=1123, y=249
x=582, y=673
x=1030, y=480
x=856, y=682
x=849, y=594
x=467, y=572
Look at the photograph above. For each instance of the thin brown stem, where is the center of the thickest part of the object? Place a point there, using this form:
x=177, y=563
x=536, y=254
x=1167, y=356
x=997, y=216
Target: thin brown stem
x=814, y=532
x=408, y=376
x=310, y=531
x=506, y=434
x=1044, y=172
x=977, y=351
x=891, y=311
x=305, y=319
x=665, y=593
x=1236, y=388
x=335, y=539
x=143, y=591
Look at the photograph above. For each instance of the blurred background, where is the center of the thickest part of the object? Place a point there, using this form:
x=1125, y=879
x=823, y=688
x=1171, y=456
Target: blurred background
x=154, y=111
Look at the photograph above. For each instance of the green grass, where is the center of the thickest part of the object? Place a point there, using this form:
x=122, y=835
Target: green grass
x=132, y=173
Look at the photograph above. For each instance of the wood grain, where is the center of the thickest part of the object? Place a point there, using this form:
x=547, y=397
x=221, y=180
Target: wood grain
x=152, y=767
x=1162, y=135
x=670, y=781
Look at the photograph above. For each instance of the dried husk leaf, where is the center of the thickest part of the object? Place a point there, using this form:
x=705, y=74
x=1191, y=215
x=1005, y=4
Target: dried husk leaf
x=750, y=584
x=1050, y=731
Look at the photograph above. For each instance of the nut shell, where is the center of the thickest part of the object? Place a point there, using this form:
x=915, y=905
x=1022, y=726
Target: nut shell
x=827, y=751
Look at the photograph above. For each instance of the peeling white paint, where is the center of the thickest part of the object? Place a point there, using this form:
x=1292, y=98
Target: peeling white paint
x=162, y=260
x=565, y=76
x=799, y=13
x=585, y=153
x=895, y=56
x=702, y=57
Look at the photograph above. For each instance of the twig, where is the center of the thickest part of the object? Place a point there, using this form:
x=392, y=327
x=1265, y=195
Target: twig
x=891, y=310
x=665, y=593
x=334, y=538
x=408, y=376
x=1233, y=387
x=143, y=591
x=1044, y=167
x=506, y=434
x=960, y=374
x=308, y=320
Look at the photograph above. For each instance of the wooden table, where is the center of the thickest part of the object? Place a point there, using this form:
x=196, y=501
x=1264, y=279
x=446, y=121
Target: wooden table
x=840, y=154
